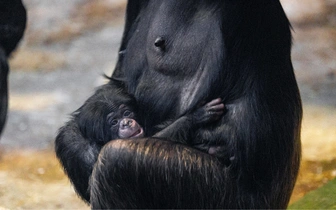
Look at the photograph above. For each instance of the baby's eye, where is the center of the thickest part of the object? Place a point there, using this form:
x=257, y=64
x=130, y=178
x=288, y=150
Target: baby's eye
x=114, y=122
x=127, y=113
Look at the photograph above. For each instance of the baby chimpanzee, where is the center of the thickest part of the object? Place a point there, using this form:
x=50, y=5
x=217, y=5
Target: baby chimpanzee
x=111, y=114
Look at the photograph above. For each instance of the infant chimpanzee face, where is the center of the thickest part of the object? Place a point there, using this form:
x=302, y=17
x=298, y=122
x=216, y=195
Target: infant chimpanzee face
x=122, y=123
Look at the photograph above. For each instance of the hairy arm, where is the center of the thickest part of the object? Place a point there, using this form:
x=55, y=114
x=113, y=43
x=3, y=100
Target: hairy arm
x=180, y=130
x=77, y=155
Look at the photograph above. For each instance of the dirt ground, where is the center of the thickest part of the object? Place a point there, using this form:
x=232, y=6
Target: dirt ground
x=67, y=47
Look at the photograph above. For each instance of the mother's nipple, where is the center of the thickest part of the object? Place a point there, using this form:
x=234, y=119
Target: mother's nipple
x=160, y=42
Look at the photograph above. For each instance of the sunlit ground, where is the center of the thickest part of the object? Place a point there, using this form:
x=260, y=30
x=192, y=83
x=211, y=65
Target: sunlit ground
x=318, y=149
x=34, y=179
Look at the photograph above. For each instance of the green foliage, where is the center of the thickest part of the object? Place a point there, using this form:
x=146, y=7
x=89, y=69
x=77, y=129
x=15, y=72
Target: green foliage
x=322, y=198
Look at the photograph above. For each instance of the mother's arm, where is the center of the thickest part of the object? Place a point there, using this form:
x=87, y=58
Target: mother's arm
x=77, y=155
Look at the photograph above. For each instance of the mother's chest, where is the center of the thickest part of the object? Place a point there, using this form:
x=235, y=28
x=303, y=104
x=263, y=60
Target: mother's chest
x=173, y=40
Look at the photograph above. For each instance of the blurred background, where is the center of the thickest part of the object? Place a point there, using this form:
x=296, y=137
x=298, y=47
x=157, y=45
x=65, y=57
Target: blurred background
x=69, y=45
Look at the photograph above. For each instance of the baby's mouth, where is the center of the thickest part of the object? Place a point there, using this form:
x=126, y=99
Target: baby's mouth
x=138, y=133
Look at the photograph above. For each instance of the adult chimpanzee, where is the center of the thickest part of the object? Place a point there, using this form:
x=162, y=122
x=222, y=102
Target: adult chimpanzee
x=12, y=25
x=175, y=55
x=111, y=114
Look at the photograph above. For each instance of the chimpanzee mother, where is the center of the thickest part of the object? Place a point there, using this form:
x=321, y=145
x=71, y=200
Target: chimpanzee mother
x=174, y=55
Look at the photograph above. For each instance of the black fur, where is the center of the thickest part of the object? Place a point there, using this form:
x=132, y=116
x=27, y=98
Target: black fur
x=90, y=124
x=12, y=25
x=80, y=140
x=94, y=125
x=236, y=50
x=92, y=116
x=3, y=88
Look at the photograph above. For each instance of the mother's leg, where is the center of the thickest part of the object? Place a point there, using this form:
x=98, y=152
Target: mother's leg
x=153, y=173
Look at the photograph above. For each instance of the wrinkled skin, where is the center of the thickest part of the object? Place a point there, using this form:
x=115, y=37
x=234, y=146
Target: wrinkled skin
x=129, y=128
x=123, y=125
x=176, y=54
